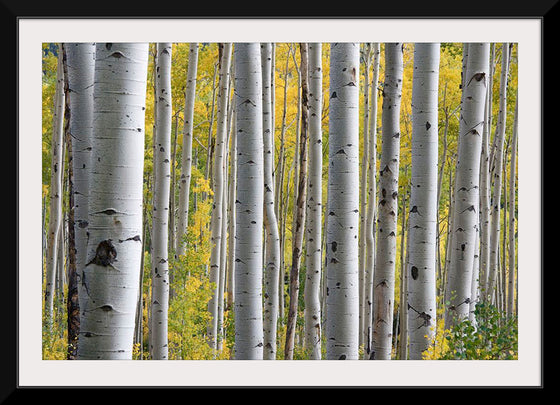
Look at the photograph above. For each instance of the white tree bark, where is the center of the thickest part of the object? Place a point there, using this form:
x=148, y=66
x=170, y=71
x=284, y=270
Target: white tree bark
x=55, y=190
x=111, y=274
x=366, y=55
x=218, y=184
x=312, y=314
x=485, y=184
x=465, y=214
x=80, y=61
x=186, y=160
x=249, y=203
x=386, y=242
x=371, y=211
x=160, y=214
x=496, y=173
x=422, y=223
x=272, y=237
x=512, y=282
x=342, y=298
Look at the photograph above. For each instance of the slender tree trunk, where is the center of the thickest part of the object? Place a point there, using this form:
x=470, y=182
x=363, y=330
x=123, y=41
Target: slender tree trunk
x=512, y=232
x=232, y=196
x=115, y=207
x=55, y=190
x=465, y=215
x=496, y=172
x=312, y=315
x=342, y=326
x=218, y=187
x=485, y=185
x=363, y=191
x=371, y=211
x=249, y=207
x=384, y=278
x=160, y=214
x=272, y=237
x=299, y=208
x=186, y=160
x=422, y=224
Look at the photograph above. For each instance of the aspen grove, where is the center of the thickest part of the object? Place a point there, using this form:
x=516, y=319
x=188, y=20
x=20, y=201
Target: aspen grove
x=280, y=201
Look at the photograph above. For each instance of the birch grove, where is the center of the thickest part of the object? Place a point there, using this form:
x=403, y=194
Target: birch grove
x=281, y=201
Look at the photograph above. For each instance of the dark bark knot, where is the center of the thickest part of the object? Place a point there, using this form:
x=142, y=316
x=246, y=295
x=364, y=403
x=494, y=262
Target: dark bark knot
x=414, y=272
x=105, y=254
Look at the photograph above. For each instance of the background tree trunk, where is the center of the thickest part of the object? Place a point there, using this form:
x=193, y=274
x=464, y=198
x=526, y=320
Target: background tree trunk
x=384, y=278
x=465, y=215
x=186, y=160
x=160, y=214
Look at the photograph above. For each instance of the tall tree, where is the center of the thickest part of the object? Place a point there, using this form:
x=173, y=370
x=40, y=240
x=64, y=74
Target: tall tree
x=272, y=237
x=160, y=214
x=218, y=187
x=249, y=203
x=312, y=314
x=386, y=240
x=422, y=224
x=371, y=212
x=496, y=173
x=342, y=300
x=186, y=160
x=465, y=212
x=299, y=208
x=512, y=209
x=80, y=64
x=55, y=190
x=111, y=274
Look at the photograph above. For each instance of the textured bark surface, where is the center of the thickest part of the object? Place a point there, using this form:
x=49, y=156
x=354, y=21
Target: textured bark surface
x=422, y=224
x=272, y=237
x=79, y=71
x=312, y=314
x=342, y=295
x=55, y=190
x=465, y=212
x=371, y=206
x=299, y=209
x=218, y=188
x=249, y=203
x=111, y=274
x=186, y=159
x=160, y=214
x=386, y=242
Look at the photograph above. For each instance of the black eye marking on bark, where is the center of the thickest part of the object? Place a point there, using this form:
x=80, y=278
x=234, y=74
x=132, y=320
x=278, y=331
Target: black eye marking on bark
x=135, y=238
x=117, y=54
x=428, y=125
x=342, y=357
x=108, y=46
x=333, y=246
x=106, y=308
x=414, y=272
x=478, y=77
x=333, y=95
x=105, y=254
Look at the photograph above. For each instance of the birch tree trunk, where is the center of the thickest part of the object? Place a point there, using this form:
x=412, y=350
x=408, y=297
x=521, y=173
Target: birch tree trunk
x=485, y=185
x=312, y=314
x=232, y=196
x=272, y=237
x=186, y=159
x=218, y=184
x=299, y=210
x=422, y=224
x=371, y=211
x=111, y=274
x=465, y=215
x=342, y=325
x=55, y=190
x=160, y=214
x=249, y=204
x=363, y=191
x=512, y=282
x=496, y=172
x=80, y=64
x=384, y=277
